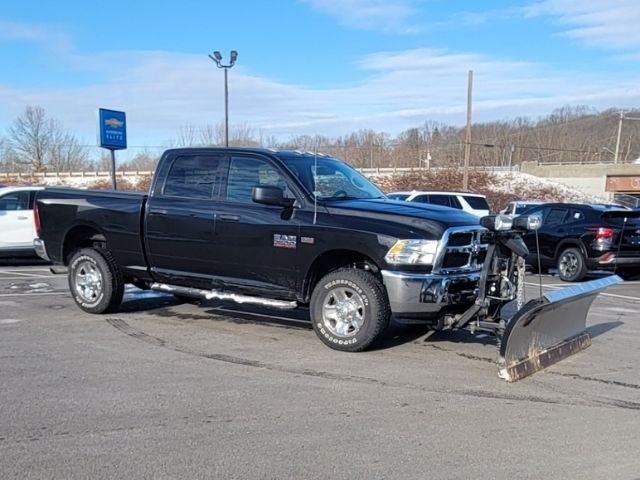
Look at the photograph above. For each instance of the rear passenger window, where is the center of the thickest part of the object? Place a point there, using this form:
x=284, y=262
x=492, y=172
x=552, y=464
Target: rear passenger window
x=556, y=216
x=477, y=203
x=455, y=203
x=422, y=199
x=194, y=177
x=15, y=201
x=246, y=173
x=440, y=200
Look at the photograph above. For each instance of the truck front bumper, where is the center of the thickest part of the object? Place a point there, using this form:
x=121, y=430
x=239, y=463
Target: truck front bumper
x=413, y=295
x=40, y=249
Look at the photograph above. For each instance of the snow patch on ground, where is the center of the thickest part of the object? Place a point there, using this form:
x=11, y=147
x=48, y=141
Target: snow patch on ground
x=510, y=182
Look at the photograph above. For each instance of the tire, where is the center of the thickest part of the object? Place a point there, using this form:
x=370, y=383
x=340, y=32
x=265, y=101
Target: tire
x=572, y=266
x=95, y=281
x=364, y=309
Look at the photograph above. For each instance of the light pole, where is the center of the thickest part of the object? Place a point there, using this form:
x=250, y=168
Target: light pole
x=216, y=57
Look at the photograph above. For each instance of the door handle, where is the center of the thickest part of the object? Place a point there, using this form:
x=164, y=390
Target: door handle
x=158, y=211
x=229, y=218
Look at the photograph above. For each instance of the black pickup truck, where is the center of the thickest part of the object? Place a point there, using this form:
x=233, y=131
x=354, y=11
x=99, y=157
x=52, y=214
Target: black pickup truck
x=273, y=228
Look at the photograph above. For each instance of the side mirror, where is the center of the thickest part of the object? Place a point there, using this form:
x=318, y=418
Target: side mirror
x=268, y=195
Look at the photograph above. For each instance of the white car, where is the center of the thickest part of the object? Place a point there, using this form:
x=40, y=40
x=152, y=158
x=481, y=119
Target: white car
x=516, y=208
x=472, y=203
x=17, y=230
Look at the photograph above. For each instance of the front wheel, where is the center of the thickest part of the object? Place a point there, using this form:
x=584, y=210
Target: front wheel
x=95, y=281
x=572, y=265
x=349, y=309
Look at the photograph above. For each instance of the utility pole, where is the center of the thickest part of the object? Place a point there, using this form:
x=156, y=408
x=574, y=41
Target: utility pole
x=511, y=150
x=622, y=117
x=467, y=147
x=615, y=158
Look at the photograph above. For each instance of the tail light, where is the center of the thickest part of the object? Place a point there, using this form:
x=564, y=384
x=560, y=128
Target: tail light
x=36, y=219
x=603, y=233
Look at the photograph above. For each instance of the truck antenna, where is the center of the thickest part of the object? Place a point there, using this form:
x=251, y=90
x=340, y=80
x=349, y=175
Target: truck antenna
x=315, y=182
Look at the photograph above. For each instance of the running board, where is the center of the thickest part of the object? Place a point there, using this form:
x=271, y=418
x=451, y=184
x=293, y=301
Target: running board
x=219, y=295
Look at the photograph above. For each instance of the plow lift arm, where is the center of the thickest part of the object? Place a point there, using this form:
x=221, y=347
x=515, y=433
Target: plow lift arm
x=533, y=335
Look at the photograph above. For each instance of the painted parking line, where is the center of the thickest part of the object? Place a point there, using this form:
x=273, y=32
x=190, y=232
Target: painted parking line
x=64, y=293
x=25, y=278
x=604, y=294
x=19, y=269
x=20, y=274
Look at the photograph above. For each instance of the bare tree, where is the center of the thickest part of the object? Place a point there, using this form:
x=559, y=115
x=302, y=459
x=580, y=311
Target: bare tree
x=30, y=138
x=38, y=143
x=145, y=160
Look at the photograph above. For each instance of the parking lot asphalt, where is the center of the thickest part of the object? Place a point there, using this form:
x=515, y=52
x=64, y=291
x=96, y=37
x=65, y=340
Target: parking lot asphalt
x=165, y=389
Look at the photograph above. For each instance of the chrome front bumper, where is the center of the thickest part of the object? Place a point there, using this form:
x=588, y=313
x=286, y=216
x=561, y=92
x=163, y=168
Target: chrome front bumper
x=40, y=249
x=413, y=295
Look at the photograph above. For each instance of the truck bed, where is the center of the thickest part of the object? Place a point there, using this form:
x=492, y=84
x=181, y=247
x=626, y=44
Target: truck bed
x=117, y=216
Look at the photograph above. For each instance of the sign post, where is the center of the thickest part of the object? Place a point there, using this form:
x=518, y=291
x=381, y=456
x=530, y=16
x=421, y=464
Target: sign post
x=113, y=135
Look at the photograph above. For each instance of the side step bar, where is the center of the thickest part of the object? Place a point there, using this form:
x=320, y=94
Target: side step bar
x=219, y=295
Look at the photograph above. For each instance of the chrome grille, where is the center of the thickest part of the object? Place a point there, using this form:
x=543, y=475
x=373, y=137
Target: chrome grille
x=462, y=249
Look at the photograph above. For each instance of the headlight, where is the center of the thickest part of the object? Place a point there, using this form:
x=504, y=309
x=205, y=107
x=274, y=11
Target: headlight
x=503, y=222
x=534, y=222
x=412, y=252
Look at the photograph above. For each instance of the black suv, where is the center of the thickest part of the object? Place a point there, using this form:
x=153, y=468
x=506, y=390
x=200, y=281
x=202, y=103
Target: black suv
x=577, y=238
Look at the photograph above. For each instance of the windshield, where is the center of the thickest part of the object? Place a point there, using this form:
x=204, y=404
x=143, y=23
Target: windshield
x=524, y=207
x=331, y=179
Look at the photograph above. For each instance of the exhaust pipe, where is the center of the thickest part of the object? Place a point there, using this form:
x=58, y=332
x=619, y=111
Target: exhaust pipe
x=219, y=295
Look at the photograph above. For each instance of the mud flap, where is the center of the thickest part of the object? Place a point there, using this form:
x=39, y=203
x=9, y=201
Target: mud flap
x=548, y=329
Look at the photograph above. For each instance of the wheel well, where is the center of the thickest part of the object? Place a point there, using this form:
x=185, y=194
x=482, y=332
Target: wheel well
x=333, y=260
x=570, y=244
x=81, y=236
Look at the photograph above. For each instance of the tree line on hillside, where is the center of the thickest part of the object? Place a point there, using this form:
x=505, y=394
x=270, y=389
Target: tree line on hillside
x=571, y=134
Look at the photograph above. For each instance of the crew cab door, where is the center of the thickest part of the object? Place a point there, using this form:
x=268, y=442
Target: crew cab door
x=180, y=219
x=256, y=245
x=16, y=220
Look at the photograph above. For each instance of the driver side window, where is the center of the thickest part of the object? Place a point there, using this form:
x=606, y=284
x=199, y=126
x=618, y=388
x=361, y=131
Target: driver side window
x=245, y=173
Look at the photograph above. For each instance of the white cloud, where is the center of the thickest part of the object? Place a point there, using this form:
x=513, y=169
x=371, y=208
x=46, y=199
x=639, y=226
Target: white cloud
x=611, y=24
x=390, y=16
x=46, y=36
x=161, y=91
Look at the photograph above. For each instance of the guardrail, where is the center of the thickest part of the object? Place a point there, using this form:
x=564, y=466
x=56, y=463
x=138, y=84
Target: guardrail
x=143, y=173
x=132, y=173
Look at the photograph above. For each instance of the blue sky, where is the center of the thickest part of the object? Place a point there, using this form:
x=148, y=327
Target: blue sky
x=314, y=66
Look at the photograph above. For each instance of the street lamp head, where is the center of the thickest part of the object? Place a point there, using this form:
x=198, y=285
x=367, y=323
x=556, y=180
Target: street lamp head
x=233, y=56
x=217, y=56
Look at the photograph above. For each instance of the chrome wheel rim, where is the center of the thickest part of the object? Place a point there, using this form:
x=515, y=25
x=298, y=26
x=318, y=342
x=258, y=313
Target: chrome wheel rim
x=343, y=312
x=88, y=281
x=568, y=264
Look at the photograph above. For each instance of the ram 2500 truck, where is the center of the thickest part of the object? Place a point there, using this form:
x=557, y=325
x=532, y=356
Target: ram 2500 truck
x=274, y=228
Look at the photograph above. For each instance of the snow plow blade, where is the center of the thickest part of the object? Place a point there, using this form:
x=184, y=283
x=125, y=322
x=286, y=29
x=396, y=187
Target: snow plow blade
x=548, y=329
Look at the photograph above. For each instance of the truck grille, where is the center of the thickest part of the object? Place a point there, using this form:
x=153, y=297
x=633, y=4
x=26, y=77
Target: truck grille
x=463, y=249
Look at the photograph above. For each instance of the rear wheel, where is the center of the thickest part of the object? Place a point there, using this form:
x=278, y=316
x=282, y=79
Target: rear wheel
x=95, y=281
x=349, y=309
x=572, y=266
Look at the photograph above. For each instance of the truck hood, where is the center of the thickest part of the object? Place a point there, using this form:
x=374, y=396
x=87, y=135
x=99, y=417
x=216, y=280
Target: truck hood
x=431, y=218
